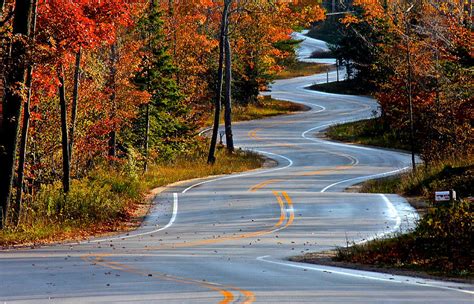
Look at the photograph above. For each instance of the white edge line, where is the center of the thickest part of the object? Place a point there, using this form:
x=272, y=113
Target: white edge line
x=171, y=221
x=365, y=275
x=366, y=177
x=290, y=163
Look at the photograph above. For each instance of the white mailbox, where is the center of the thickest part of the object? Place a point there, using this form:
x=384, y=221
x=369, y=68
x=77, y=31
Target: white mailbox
x=445, y=196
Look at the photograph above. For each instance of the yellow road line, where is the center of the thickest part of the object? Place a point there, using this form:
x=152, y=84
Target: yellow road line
x=236, y=237
x=263, y=184
x=253, y=134
x=292, y=209
x=228, y=296
x=282, y=209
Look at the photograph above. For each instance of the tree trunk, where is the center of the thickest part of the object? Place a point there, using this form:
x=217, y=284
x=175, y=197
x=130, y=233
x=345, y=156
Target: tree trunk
x=113, y=72
x=12, y=105
x=215, y=130
x=25, y=127
x=228, y=94
x=147, y=134
x=75, y=97
x=64, y=131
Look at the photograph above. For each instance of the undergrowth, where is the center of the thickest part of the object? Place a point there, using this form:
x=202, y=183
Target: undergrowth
x=440, y=245
x=109, y=197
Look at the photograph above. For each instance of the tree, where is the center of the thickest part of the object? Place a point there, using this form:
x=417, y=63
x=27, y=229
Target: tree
x=220, y=71
x=418, y=58
x=12, y=103
x=162, y=120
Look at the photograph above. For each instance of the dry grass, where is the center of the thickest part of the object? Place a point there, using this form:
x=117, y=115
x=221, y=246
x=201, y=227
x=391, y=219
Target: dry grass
x=300, y=69
x=111, y=199
x=266, y=107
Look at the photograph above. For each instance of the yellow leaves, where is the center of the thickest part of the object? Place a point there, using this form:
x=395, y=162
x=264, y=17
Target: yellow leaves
x=350, y=19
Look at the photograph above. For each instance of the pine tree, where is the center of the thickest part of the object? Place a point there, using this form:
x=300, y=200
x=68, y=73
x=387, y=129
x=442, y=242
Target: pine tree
x=162, y=120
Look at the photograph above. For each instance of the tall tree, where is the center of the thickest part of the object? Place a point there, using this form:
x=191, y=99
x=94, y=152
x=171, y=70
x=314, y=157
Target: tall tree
x=26, y=125
x=220, y=71
x=228, y=91
x=12, y=103
x=163, y=118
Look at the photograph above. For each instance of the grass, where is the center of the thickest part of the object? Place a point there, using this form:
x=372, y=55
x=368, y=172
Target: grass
x=300, y=69
x=441, y=245
x=369, y=132
x=347, y=87
x=456, y=174
x=265, y=107
x=111, y=198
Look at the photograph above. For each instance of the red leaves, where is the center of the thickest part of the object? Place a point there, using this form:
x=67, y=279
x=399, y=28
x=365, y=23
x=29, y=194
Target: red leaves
x=65, y=25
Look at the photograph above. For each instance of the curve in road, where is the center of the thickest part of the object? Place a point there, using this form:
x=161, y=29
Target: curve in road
x=226, y=239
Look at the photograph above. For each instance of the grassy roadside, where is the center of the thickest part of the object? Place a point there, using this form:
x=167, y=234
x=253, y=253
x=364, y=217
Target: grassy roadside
x=116, y=198
x=266, y=107
x=441, y=244
x=111, y=198
x=368, y=132
x=300, y=69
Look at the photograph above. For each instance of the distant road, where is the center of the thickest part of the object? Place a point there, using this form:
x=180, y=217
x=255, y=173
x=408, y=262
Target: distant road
x=226, y=240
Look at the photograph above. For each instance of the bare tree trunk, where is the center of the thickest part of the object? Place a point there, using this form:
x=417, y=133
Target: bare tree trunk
x=410, y=97
x=228, y=94
x=113, y=72
x=75, y=98
x=147, y=134
x=64, y=131
x=220, y=71
x=12, y=105
x=25, y=127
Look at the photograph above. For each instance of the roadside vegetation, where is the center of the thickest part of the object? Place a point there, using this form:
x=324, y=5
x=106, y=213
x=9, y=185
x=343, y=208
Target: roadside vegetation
x=348, y=87
x=370, y=132
x=93, y=119
x=415, y=59
x=112, y=197
x=264, y=107
x=299, y=69
x=441, y=244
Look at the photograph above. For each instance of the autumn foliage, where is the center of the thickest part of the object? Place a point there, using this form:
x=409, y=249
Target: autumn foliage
x=421, y=49
x=117, y=81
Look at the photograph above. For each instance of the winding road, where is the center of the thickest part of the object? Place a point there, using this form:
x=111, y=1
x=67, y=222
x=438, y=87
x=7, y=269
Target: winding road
x=227, y=239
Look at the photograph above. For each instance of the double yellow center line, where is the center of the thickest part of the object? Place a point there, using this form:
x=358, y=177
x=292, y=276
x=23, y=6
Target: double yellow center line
x=224, y=290
x=283, y=197
x=287, y=217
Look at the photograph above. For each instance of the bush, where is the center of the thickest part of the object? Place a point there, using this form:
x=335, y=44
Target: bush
x=441, y=243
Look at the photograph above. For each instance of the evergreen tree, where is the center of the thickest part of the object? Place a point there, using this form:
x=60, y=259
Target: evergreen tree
x=162, y=123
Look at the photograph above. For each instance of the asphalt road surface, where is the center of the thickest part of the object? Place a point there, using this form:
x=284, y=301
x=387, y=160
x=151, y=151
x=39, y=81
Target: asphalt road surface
x=227, y=239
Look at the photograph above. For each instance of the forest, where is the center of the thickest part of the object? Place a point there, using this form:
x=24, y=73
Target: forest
x=99, y=92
